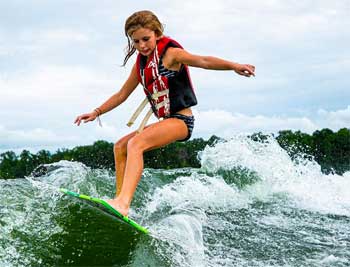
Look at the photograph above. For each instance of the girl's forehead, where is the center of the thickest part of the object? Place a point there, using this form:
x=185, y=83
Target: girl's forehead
x=141, y=32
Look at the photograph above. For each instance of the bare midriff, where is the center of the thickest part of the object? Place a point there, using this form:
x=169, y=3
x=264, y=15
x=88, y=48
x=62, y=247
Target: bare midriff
x=185, y=111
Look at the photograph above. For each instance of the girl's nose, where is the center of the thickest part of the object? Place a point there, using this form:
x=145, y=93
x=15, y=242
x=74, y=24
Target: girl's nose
x=142, y=44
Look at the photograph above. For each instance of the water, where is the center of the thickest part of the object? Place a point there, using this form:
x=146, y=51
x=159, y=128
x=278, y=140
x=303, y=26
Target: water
x=249, y=205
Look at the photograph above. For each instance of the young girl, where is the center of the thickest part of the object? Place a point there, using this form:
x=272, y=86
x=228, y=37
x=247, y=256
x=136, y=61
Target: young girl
x=161, y=68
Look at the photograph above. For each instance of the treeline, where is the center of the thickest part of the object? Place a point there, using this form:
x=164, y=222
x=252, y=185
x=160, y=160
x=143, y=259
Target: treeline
x=330, y=149
x=100, y=155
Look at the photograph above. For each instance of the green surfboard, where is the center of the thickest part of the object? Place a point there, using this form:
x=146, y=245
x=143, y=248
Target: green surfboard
x=104, y=206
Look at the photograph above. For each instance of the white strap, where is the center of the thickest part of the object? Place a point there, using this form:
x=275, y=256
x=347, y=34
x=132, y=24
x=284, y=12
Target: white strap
x=163, y=103
x=144, y=103
x=155, y=96
x=137, y=112
x=144, y=121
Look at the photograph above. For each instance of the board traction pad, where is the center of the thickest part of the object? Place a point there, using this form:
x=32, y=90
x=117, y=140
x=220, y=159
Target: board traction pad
x=104, y=206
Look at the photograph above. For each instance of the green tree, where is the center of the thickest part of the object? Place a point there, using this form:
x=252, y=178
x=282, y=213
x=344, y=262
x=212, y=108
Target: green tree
x=341, y=151
x=324, y=141
x=8, y=163
x=331, y=150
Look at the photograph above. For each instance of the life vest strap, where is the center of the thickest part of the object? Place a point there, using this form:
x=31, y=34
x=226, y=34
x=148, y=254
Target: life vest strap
x=158, y=94
x=145, y=120
x=143, y=104
x=137, y=112
x=163, y=103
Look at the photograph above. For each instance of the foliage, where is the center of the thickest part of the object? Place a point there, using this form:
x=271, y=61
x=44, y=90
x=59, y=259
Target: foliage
x=330, y=149
x=100, y=155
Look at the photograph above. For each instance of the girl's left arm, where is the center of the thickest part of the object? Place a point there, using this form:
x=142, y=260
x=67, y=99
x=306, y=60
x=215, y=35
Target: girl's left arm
x=180, y=56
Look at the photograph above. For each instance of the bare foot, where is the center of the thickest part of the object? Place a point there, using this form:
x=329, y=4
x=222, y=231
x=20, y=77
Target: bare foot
x=123, y=209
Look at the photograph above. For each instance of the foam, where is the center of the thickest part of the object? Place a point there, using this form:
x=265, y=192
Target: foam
x=303, y=182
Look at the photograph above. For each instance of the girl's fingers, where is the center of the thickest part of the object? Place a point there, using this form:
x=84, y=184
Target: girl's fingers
x=249, y=70
x=79, y=119
x=251, y=67
x=245, y=72
x=88, y=119
x=85, y=118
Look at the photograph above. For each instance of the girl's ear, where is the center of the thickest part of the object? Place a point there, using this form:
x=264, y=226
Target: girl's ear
x=159, y=35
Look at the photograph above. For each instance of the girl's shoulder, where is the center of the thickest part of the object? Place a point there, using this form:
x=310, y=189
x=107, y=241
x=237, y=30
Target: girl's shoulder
x=169, y=42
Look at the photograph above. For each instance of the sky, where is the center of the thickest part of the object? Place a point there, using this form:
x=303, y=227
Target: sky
x=59, y=59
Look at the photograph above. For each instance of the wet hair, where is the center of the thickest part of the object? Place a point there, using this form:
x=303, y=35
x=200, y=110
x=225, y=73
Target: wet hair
x=140, y=19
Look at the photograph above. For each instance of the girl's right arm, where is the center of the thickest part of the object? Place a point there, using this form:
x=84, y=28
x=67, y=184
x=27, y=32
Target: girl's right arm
x=114, y=101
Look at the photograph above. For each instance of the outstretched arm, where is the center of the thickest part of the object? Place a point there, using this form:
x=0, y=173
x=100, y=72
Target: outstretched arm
x=178, y=56
x=114, y=101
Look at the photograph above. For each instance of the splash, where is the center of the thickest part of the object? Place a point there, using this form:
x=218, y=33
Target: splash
x=248, y=205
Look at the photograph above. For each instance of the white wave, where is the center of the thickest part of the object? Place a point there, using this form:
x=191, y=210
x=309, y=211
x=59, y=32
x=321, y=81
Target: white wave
x=74, y=176
x=302, y=182
x=185, y=202
x=197, y=191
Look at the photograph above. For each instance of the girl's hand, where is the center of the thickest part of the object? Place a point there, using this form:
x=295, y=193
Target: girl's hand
x=86, y=117
x=245, y=70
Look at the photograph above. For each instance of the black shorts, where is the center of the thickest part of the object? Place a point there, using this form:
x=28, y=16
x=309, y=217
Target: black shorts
x=189, y=121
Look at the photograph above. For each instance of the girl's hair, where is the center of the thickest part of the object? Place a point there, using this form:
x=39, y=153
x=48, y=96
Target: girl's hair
x=140, y=19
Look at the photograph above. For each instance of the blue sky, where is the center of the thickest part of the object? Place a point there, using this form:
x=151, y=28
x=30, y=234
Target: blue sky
x=59, y=59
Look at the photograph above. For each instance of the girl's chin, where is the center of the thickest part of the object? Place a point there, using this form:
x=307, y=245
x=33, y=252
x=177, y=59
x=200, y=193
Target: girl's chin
x=146, y=53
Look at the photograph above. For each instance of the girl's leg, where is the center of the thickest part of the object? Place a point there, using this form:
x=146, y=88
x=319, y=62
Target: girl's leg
x=120, y=154
x=156, y=135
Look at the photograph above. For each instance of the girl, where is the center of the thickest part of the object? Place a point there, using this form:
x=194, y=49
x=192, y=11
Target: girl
x=161, y=68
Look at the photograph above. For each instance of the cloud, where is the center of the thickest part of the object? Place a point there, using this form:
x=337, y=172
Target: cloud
x=57, y=62
x=40, y=138
x=210, y=122
x=32, y=138
x=50, y=99
x=334, y=119
x=225, y=124
x=277, y=21
x=64, y=35
x=56, y=85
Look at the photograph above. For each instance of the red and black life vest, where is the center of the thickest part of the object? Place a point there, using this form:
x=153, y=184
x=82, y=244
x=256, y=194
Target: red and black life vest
x=167, y=95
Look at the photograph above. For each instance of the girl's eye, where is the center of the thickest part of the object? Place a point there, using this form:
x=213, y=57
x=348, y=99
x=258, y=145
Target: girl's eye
x=145, y=39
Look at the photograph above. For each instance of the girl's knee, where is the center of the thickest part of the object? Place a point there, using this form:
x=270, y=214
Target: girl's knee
x=120, y=148
x=136, y=144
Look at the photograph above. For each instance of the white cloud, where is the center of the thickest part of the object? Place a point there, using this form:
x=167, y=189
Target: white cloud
x=42, y=44
x=64, y=35
x=53, y=37
x=211, y=122
x=55, y=67
x=57, y=85
x=225, y=124
x=37, y=137
x=334, y=119
x=271, y=21
x=49, y=99
x=40, y=138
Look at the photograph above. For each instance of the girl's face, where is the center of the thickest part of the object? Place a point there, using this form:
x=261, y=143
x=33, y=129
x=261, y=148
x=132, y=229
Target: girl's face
x=145, y=41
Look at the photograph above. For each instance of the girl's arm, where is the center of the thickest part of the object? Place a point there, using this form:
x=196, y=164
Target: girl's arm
x=114, y=101
x=177, y=56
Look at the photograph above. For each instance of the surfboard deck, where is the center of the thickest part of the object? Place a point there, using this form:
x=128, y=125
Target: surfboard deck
x=105, y=207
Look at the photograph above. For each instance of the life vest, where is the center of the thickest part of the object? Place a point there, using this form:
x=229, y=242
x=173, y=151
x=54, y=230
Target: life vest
x=166, y=95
